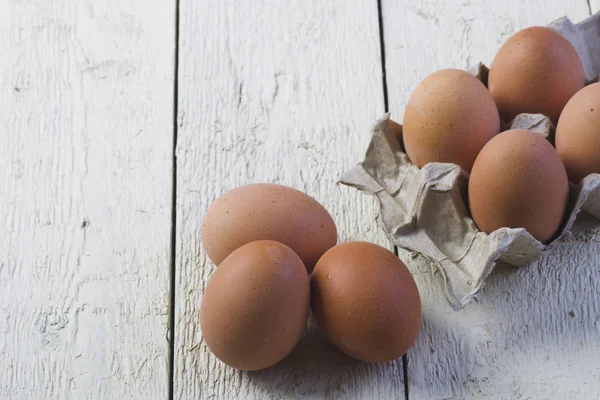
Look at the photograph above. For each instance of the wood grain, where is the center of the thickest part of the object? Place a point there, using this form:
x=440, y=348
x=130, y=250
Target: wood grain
x=86, y=91
x=534, y=333
x=285, y=93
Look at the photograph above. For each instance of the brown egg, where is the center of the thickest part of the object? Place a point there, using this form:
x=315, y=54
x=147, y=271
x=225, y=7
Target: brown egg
x=366, y=302
x=519, y=181
x=256, y=305
x=449, y=118
x=536, y=71
x=271, y=212
x=578, y=134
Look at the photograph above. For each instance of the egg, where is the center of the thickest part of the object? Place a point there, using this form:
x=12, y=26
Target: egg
x=449, y=117
x=536, y=71
x=256, y=305
x=366, y=302
x=268, y=212
x=578, y=134
x=519, y=181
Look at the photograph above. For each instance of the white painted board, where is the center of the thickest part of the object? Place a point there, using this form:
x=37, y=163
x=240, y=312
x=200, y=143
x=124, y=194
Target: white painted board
x=535, y=331
x=274, y=92
x=594, y=6
x=86, y=92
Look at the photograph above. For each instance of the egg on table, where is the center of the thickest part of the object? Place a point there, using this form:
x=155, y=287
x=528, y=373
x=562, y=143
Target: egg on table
x=518, y=181
x=256, y=305
x=578, y=134
x=266, y=211
x=449, y=118
x=536, y=71
x=366, y=302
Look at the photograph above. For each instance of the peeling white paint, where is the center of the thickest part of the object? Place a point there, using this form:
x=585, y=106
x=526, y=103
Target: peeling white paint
x=274, y=92
x=84, y=276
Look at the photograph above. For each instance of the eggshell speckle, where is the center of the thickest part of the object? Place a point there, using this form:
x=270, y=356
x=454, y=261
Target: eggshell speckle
x=578, y=134
x=256, y=305
x=449, y=118
x=366, y=302
x=265, y=211
x=519, y=181
x=536, y=71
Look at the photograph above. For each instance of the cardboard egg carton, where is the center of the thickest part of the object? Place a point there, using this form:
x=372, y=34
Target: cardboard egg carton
x=423, y=210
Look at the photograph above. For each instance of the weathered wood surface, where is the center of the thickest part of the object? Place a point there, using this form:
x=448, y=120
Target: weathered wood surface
x=268, y=92
x=86, y=92
x=535, y=331
x=274, y=92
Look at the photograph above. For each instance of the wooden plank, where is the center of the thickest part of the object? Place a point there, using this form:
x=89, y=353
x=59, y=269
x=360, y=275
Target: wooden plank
x=534, y=332
x=285, y=93
x=86, y=90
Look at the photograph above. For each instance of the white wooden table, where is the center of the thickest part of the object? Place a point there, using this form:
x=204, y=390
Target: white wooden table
x=122, y=122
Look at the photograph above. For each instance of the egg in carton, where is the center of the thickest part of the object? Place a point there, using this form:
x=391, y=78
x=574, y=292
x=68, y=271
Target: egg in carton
x=424, y=209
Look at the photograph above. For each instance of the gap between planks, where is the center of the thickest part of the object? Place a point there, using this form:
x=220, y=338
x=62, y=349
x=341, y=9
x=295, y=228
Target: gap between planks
x=387, y=109
x=173, y=255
